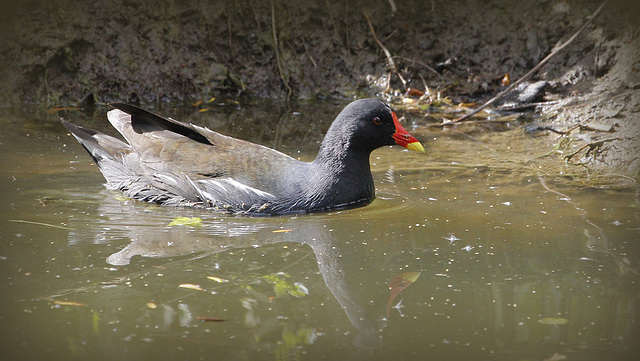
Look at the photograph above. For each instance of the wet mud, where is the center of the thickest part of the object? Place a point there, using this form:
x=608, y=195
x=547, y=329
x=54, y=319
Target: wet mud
x=164, y=51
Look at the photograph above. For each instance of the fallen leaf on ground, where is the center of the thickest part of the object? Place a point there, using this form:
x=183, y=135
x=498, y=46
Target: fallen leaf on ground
x=506, y=79
x=415, y=92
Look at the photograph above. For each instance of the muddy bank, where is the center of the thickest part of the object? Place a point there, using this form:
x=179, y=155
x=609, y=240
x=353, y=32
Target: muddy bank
x=69, y=52
x=603, y=122
x=63, y=51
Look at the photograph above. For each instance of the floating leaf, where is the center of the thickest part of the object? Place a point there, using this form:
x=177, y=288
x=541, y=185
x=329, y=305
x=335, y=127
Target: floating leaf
x=275, y=277
x=553, y=321
x=298, y=291
x=282, y=231
x=282, y=285
x=217, y=279
x=281, y=288
x=398, y=283
x=151, y=305
x=190, y=286
x=68, y=303
x=203, y=110
x=186, y=221
x=96, y=323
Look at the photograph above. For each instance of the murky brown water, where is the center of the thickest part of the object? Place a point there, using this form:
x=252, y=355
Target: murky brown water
x=511, y=263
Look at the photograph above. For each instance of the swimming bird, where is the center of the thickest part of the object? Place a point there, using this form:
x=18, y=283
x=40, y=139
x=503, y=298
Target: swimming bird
x=174, y=163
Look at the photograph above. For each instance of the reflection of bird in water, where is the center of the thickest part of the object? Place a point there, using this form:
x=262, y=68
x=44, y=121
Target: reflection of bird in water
x=334, y=265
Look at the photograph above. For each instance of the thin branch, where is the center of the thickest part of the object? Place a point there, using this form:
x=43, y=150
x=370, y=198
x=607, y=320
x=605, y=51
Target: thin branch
x=38, y=223
x=535, y=69
x=394, y=8
x=423, y=64
x=230, y=35
x=390, y=63
x=592, y=145
x=276, y=47
x=306, y=50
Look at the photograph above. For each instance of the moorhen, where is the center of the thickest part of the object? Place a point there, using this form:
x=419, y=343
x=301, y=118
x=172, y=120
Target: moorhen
x=181, y=164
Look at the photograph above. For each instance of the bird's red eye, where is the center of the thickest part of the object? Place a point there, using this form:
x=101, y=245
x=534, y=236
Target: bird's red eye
x=377, y=121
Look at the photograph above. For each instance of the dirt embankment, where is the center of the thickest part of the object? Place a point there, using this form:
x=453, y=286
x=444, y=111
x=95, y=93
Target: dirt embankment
x=65, y=52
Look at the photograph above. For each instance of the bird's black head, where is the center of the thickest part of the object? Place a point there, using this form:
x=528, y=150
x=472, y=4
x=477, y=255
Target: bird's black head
x=367, y=124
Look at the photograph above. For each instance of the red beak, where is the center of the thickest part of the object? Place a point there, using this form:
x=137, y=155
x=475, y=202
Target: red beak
x=403, y=138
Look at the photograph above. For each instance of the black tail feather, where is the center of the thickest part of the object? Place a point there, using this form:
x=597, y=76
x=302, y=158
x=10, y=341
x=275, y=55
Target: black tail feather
x=85, y=136
x=142, y=121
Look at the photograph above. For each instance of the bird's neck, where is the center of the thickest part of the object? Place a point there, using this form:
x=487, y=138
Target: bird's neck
x=345, y=176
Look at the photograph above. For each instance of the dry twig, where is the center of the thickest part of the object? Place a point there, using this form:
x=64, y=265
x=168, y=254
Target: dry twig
x=532, y=71
x=38, y=223
x=423, y=64
x=276, y=47
x=592, y=146
x=390, y=63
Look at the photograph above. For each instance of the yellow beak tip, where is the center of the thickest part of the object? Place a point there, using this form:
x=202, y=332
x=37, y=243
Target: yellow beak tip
x=416, y=146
